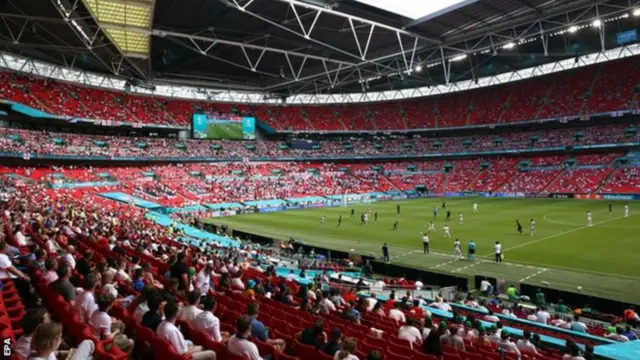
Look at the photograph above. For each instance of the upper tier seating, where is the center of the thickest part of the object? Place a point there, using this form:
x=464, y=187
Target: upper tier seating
x=587, y=90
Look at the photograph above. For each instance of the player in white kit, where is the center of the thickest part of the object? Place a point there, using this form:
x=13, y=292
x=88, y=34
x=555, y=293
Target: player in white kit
x=589, y=219
x=460, y=218
x=457, y=250
x=447, y=234
x=323, y=220
x=432, y=227
x=626, y=210
x=532, y=227
x=475, y=207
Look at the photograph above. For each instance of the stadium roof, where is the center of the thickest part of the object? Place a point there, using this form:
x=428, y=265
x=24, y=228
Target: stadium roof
x=286, y=47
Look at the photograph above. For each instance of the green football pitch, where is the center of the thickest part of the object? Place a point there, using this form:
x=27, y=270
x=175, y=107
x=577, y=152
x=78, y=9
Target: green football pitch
x=224, y=131
x=604, y=260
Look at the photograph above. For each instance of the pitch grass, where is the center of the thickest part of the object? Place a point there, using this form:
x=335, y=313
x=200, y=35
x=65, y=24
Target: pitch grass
x=604, y=260
x=225, y=131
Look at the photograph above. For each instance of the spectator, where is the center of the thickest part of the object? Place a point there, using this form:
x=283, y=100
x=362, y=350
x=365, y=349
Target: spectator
x=432, y=344
x=207, y=322
x=507, y=345
x=374, y=355
x=578, y=326
x=50, y=275
x=47, y=338
x=138, y=280
x=189, y=312
x=167, y=330
x=573, y=353
x=259, y=331
x=155, y=315
x=30, y=322
x=396, y=314
x=543, y=315
x=239, y=344
x=140, y=304
x=348, y=350
x=525, y=346
x=9, y=272
x=314, y=336
x=83, y=265
x=453, y=339
x=63, y=286
x=629, y=333
x=85, y=301
x=410, y=333
x=180, y=271
x=203, y=279
x=617, y=335
x=335, y=342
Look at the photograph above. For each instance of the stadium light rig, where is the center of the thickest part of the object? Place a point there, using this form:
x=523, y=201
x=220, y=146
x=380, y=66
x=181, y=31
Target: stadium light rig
x=573, y=29
x=418, y=68
x=459, y=57
x=509, y=45
x=596, y=23
x=636, y=12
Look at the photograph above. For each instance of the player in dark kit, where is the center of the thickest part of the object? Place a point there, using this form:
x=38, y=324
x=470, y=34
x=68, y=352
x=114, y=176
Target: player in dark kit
x=385, y=253
x=375, y=217
x=444, y=204
x=397, y=209
x=448, y=216
x=353, y=212
x=396, y=224
x=339, y=220
x=519, y=226
x=610, y=209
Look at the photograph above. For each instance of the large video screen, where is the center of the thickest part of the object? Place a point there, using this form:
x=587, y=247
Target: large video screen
x=205, y=126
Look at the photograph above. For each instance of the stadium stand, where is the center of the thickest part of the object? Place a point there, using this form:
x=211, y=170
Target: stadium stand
x=587, y=90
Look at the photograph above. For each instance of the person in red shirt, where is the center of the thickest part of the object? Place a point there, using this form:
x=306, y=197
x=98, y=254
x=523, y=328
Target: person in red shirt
x=351, y=296
x=417, y=310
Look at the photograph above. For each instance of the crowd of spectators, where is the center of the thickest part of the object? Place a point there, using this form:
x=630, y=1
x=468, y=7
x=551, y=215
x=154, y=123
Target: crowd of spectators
x=50, y=143
x=100, y=279
x=587, y=90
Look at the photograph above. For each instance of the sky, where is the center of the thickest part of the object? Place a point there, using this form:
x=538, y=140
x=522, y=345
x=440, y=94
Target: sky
x=412, y=9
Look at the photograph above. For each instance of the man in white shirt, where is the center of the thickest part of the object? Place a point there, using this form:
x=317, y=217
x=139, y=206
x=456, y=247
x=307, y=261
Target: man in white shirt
x=525, y=346
x=543, y=315
x=203, y=279
x=167, y=330
x=419, y=284
x=189, y=312
x=617, y=335
x=485, y=287
x=497, y=249
x=506, y=345
x=68, y=257
x=425, y=243
x=7, y=270
x=496, y=336
x=326, y=305
x=410, y=333
x=207, y=322
x=100, y=321
x=19, y=236
x=85, y=301
x=239, y=345
x=397, y=314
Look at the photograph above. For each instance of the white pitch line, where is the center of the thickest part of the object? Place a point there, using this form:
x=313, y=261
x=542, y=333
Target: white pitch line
x=535, y=274
x=558, y=234
x=443, y=264
x=405, y=254
x=468, y=266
